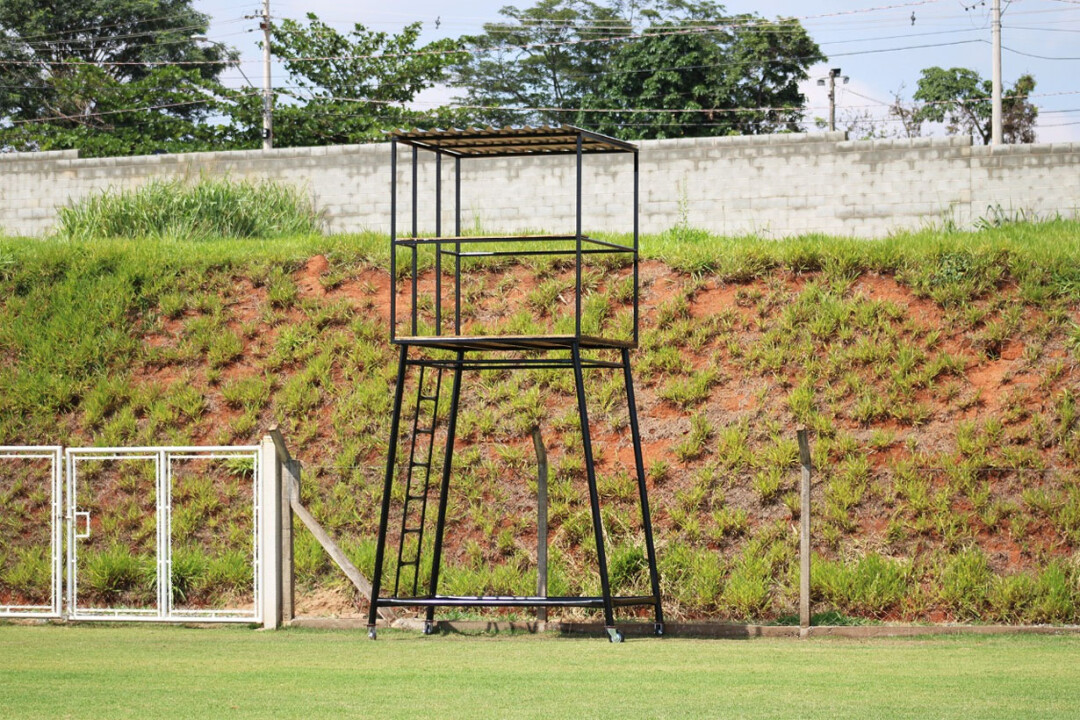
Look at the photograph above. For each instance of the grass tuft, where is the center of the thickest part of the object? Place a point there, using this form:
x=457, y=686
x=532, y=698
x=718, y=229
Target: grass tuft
x=209, y=208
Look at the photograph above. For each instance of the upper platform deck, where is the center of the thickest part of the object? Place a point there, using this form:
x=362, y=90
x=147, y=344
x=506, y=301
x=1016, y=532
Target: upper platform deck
x=512, y=141
x=440, y=272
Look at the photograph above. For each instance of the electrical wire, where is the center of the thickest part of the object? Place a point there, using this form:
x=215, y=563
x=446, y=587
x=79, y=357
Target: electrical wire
x=102, y=113
x=669, y=111
x=1038, y=57
x=528, y=46
x=755, y=25
x=104, y=27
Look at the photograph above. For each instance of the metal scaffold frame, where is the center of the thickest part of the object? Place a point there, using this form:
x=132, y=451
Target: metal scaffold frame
x=447, y=332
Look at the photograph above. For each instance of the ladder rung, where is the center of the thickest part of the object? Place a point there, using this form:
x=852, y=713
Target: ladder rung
x=424, y=431
x=417, y=463
x=416, y=497
x=411, y=530
x=429, y=397
x=407, y=563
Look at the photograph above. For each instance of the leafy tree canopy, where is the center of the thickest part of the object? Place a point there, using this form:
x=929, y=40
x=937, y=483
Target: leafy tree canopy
x=678, y=55
x=359, y=84
x=740, y=78
x=67, y=68
x=960, y=98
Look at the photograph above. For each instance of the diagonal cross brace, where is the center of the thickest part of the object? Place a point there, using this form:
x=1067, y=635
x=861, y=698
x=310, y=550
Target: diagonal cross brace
x=291, y=476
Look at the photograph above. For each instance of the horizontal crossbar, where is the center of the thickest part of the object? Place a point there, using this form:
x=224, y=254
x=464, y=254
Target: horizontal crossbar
x=481, y=343
x=512, y=601
x=515, y=364
x=511, y=239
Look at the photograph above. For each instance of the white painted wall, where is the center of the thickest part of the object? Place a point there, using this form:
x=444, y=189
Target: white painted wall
x=777, y=185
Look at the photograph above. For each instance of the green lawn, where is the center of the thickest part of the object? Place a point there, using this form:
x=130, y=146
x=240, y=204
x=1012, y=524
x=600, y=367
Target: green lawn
x=158, y=672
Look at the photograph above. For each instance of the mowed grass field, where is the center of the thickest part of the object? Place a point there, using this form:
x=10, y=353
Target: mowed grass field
x=169, y=672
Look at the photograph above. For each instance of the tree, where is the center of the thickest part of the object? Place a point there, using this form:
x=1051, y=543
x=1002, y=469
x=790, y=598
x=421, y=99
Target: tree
x=116, y=119
x=906, y=114
x=741, y=76
x=350, y=88
x=678, y=55
x=74, y=73
x=961, y=99
x=540, y=57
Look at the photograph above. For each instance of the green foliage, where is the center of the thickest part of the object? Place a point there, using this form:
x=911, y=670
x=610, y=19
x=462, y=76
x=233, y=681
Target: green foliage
x=250, y=393
x=188, y=568
x=746, y=62
x=691, y=576
x=384, y=70
x=116, y=572
x=965, y=582
x=628, y=567
x=205, y=209
x=749, y=588
x=750, y=63
x=27, y=574
x=330, y=391
x=961, y=98
x=870, y=586
x=690, y=391
x=58, y=100
x=693, y=445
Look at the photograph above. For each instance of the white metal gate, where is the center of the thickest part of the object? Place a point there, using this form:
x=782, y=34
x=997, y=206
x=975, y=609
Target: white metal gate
x=158, y=595
x=138, y=564
x=26, y=473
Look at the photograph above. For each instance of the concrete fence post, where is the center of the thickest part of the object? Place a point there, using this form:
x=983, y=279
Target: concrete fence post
x=270, y=531
x=804, y=533
x=290, y=487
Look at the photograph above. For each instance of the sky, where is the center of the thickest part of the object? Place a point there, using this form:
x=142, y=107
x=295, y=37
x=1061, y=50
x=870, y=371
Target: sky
x=880, y=45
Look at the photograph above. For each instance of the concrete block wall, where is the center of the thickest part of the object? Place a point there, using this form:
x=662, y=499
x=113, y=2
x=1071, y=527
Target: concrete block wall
x=775, y=185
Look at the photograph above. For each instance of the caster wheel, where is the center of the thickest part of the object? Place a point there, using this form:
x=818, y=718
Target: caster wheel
x=429, y=628
x=614, y=635
x=371, y=633
x=659, y=630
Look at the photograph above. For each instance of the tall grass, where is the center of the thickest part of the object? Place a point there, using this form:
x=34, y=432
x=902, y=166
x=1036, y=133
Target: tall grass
x=205, y=209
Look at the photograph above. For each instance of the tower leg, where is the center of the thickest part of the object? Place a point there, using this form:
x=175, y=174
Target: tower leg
x=646, y=518
x=384, y=512
x=444, y=487
x=594, y=496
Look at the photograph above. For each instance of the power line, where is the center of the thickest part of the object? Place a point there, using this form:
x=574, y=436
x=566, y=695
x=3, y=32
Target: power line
x=102, y=113
x=707, y=111
x=1038, y=57
x=529, y=46
x=103, y=27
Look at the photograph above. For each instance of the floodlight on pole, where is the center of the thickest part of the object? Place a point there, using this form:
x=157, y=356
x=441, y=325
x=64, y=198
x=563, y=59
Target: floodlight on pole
x=834, y=73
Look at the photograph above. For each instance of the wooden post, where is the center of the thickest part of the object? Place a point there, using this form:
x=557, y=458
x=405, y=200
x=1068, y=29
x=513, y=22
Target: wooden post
x=270, y=531
x=290, y=486
x=804, y=534
x=541, y=521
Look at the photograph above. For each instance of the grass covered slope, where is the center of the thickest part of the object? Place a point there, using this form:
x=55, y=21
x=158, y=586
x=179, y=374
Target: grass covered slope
x=937, y=373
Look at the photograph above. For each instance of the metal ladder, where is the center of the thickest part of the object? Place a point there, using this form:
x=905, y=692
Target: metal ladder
x=416, y=488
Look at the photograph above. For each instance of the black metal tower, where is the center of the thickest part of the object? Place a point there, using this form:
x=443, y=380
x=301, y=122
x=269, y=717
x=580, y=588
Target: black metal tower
x=468, y=351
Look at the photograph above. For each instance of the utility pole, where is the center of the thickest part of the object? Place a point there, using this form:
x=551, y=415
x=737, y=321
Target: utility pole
x=833, y=74
x=995, y=34
x=268, y=98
